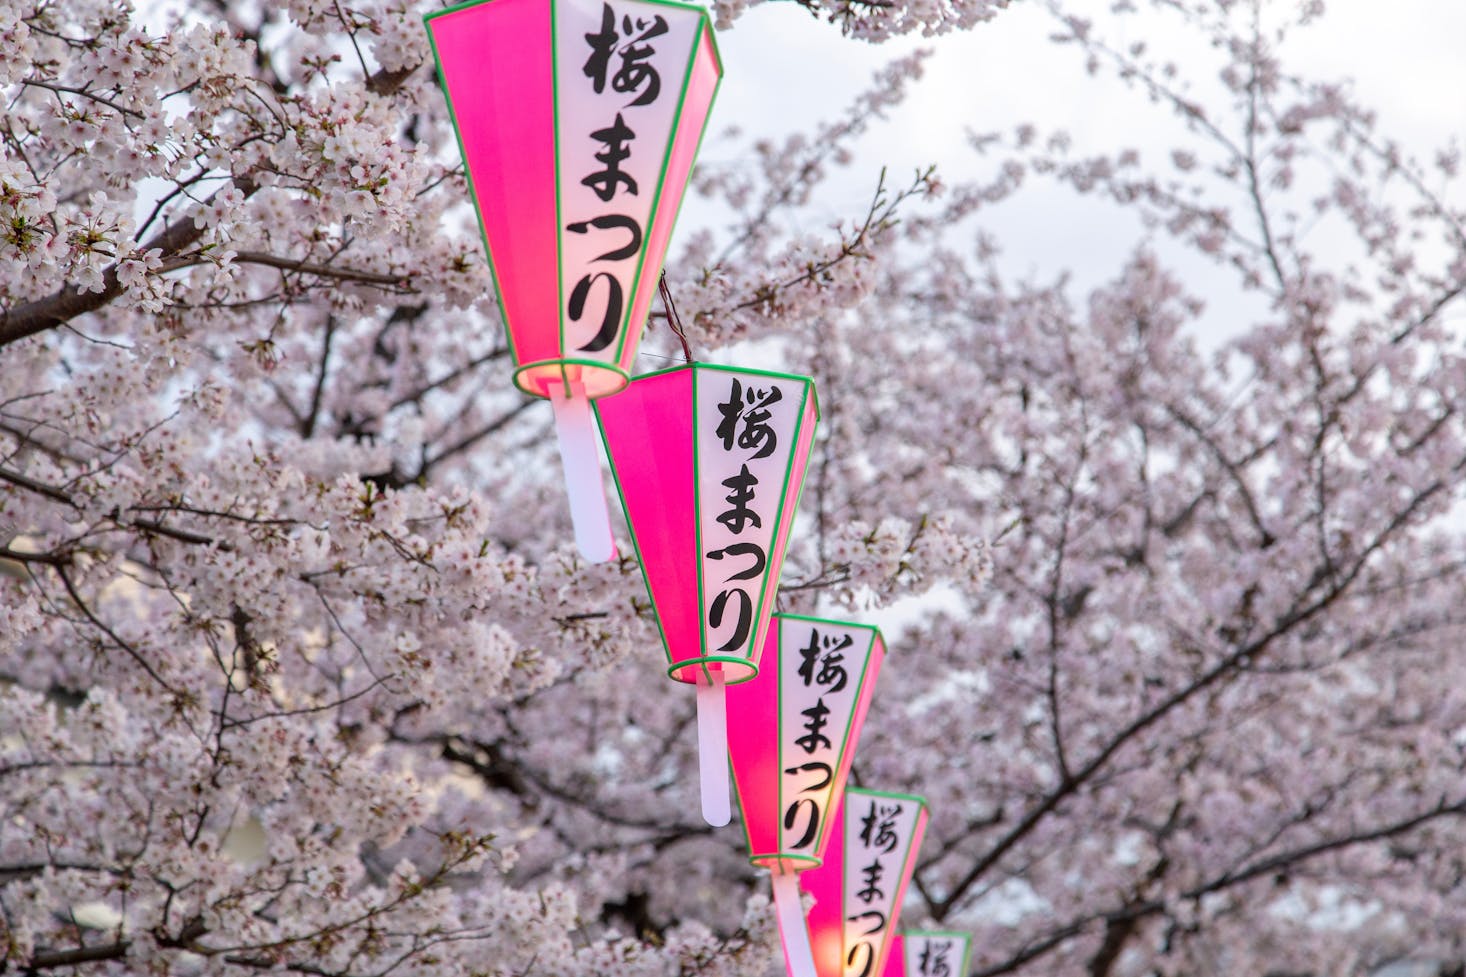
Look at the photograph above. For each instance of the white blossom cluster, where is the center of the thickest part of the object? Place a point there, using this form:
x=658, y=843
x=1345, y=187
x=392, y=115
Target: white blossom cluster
x=874, y=20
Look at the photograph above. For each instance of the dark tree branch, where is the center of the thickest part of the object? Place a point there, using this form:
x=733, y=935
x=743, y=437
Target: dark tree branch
x=51, y=959
x=61, y=307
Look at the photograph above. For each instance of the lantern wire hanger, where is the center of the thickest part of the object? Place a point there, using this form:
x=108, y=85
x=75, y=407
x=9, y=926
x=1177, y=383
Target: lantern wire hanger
x=674, y=321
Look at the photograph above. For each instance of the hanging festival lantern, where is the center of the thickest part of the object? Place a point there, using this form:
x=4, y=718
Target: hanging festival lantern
x=927, y=953
x=859, y=888
x=797, y=727
x=578, y=121
x=709, y=461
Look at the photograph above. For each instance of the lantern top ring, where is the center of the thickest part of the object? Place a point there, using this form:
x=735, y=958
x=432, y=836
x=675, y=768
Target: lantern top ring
x=599, y=378
x=735, y=670
x=699, y=365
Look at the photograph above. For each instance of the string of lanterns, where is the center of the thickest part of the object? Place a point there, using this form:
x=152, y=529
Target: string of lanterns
x=579, y=121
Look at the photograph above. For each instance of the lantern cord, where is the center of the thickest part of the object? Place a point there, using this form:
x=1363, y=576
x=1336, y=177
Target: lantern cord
x=712, y=748
x=798, y=953
x=581, y=459
x=674, y=321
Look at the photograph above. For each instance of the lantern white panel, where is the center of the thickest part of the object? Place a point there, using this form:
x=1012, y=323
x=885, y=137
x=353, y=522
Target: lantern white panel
x=744, y=440
x=620, y=68
x=821, y=665
x=879, y=830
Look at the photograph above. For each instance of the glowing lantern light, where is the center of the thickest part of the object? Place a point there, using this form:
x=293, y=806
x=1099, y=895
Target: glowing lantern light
x=926, y=953
x=578, y=121
x=859, y=888
x=798, y=725
x=710, y=461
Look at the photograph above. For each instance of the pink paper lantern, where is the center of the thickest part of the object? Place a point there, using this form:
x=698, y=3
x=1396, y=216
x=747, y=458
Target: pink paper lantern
x=929, y=953
x=859, y=888
x=797, y=727
x=710, y=461
x=578, y=121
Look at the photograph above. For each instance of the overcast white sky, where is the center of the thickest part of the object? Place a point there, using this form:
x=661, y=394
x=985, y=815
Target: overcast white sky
x=784, y=70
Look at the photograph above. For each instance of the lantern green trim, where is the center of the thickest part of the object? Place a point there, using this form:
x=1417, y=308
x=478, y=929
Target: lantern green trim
x=559, y=202
x=562, y=364
x=704, y=661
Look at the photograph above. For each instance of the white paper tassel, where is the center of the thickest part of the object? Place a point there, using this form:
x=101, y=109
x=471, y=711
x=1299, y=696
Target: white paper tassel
x=797, y=952
x=581, y=458
x=712, y=748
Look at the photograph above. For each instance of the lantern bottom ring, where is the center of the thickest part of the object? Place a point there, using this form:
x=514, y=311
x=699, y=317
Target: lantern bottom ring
x=598, y=377
x=782, y=863
x=735, y=669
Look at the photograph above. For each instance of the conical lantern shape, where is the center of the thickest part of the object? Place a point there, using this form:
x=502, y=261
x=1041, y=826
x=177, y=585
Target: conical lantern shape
x=578, y=121
x=927, y=953
x=859, y=888
x=710, y=461
x=795, y=730
x=797, y=727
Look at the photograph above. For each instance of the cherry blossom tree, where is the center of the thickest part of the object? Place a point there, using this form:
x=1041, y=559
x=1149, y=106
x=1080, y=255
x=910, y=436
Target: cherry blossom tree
x=298, y=672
